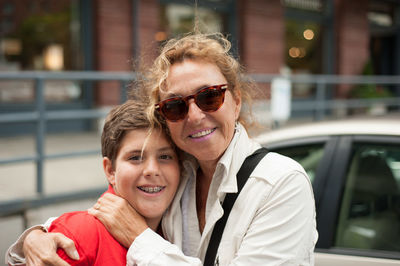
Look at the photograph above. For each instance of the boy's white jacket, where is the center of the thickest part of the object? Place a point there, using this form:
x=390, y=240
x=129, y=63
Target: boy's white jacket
x=271, y=223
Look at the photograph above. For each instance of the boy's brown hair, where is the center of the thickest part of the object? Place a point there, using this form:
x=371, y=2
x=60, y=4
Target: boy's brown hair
x=123, y=118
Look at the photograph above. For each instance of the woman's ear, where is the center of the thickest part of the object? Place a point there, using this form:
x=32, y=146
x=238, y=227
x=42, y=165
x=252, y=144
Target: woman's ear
x=237, y=96
x=108, y=170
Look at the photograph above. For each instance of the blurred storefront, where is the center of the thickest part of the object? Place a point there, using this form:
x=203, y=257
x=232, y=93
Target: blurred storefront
x=300, y=36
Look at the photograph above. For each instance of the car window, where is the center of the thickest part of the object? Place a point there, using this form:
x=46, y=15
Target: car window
x=307, y=155
x=370, y=210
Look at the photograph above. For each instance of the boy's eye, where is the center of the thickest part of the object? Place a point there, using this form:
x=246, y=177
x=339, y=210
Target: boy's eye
x=166, y=157
x=135, y=158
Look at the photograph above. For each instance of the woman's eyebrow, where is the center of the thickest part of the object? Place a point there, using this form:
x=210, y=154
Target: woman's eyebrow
x=199, y=88
x=172, y=95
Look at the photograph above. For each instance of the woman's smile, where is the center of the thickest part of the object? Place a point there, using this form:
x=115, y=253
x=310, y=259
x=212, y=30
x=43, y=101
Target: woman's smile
x=201, y=135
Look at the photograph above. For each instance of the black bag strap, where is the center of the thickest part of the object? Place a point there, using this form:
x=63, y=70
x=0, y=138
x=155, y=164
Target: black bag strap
x=245, y=170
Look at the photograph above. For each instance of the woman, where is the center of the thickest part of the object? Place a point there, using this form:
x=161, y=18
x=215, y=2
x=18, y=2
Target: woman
x=199, y=89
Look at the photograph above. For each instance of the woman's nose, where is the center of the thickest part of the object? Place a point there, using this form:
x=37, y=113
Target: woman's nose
x=151, y=167
x=195, y=114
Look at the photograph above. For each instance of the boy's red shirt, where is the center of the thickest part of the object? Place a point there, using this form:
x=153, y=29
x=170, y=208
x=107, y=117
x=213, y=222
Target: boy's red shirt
x=95, y=245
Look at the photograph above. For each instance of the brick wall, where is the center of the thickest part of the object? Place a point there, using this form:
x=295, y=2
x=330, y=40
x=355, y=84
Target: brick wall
x=113, y=44
x=149, y=25
x=352, y=39
x=114, y=41
x=262, y=33
x=262, y=38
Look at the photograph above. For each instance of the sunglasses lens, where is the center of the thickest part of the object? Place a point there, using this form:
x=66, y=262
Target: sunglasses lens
x=210, y=100
x=175, y=109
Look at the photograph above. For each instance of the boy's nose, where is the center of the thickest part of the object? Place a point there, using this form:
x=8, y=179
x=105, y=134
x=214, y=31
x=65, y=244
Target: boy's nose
x=151, y=167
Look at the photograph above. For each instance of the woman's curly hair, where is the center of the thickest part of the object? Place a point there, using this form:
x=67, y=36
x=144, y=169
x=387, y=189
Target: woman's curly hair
x=212, y=48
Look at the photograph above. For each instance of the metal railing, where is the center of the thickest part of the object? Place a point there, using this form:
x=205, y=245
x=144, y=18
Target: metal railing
x=40, y=117
x=319, y=105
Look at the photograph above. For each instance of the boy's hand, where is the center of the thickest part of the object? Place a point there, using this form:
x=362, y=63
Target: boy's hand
x=40, y=248
x=120, y=219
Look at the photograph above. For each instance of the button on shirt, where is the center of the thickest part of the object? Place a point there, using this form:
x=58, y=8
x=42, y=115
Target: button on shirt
x=271, y=223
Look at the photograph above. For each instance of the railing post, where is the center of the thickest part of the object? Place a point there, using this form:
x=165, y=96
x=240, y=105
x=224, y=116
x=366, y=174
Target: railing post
x=24, y=219
x=320, y=105
x=40, y=133
x=123, y=90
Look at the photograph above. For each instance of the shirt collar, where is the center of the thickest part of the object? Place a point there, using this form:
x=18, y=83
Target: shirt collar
x=230, y=162
x=109, y=190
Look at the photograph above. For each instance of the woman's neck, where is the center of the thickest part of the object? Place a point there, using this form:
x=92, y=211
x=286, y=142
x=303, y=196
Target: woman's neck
x=207, y=169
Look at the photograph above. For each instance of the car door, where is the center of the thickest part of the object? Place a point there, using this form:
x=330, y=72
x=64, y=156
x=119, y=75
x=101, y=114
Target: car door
x=359, y=213
x=357, y=218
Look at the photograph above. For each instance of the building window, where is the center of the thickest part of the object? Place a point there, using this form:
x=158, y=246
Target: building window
x=383, y=36
x=302, y=46
x=44, y=36
x=303, y=37
x=178, y=18
x=33, y=37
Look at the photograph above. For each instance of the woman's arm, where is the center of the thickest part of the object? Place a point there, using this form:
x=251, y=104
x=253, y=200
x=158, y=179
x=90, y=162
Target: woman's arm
x=282, y=232
x=149, y=248
x=33, y=247
x=120, y=219
x=146, y=247
x=40, y=248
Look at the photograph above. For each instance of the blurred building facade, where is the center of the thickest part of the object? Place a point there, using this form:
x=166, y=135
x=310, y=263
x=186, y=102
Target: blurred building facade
x=302, y=36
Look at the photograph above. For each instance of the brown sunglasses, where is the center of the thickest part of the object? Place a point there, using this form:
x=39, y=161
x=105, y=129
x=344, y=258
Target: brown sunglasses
x=208, y=99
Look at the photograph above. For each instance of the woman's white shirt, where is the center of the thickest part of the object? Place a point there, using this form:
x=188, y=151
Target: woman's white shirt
x=271, y=223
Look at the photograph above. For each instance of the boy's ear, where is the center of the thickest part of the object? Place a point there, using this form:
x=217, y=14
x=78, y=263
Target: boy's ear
x=108, y=170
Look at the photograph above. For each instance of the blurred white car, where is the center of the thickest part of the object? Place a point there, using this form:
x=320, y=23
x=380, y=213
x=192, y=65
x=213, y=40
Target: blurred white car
x=354, y=166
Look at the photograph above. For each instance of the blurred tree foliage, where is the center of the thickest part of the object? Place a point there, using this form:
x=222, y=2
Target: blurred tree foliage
x=369, y=91
x=36, y=32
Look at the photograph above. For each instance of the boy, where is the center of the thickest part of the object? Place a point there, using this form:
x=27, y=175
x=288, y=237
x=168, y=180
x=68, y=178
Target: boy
x=141, y=167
